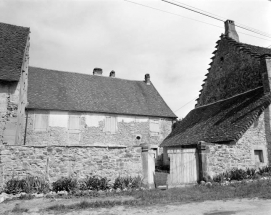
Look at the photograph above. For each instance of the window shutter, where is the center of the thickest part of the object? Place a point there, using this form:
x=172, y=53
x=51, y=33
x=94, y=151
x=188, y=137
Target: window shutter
x=154, y=127
x=74, y=123
x=110, y=124
x=41, y=122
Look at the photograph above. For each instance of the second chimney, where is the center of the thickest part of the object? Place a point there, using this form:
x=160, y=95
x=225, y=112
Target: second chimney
x=147, y=79
x=97, y=71
x=112, y=74
x=230, y=30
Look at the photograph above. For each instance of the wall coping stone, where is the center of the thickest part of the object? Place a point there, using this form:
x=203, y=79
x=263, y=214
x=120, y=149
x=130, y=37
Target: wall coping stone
x=73, y=146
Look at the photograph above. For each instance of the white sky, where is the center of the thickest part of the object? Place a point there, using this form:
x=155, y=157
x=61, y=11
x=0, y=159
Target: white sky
x=134, y=40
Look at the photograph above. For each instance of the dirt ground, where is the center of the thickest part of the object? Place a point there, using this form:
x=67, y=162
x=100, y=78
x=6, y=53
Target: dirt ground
x=229, y=207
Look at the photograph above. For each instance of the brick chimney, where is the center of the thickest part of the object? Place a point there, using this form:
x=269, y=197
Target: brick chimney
x=112, y=74
x=266, y=72
x=147, y=79
x=230, y=30
x=97, y=71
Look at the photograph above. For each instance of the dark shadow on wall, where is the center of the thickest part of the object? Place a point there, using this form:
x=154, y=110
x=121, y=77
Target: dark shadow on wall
x=268, y=132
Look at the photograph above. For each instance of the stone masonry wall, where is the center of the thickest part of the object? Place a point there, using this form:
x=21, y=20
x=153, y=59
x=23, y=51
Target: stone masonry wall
x=13, y=99
x=56, y=161
x=222, y=157
x=232, y=71
x=92, y=130
x=9, y=98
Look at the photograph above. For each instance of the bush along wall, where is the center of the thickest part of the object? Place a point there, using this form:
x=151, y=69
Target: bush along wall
x=241, y=174
x=71, y=185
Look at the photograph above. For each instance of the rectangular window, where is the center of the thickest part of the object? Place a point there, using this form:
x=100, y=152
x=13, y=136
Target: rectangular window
x=40, y=122
x=110, y=125
x=154, y=127
x=258, y=154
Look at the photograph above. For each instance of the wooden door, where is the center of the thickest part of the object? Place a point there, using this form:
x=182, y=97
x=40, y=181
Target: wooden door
x=183, y=166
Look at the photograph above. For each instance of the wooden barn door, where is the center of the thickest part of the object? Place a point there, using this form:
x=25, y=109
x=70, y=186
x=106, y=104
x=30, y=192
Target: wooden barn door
x=183, y=166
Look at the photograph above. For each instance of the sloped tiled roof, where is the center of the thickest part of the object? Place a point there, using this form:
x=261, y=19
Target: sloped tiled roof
x=55, y=90
x=254, y=51
x=12, y=47
x=223, y=121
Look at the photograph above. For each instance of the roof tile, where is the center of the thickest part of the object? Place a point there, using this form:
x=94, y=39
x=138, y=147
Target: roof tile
x=12, y=47
x=56, y=90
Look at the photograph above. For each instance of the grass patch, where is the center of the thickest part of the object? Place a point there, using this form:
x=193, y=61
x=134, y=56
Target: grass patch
x=18, y=209
x=96, y=204
x=259, y=188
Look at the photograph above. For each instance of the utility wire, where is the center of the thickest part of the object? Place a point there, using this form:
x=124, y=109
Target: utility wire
x=189, y=18
x=193, y=10
x=258, y=31
x=171, y=13
x=213, y=17
x=185, y=104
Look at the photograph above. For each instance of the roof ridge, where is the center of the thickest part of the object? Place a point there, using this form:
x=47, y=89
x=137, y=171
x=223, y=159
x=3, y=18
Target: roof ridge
x=15, y=25
x=228, y=98
x=77, y=73
x=243, y=47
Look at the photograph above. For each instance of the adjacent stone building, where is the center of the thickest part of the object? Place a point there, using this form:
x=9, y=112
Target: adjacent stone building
x=57, y=123
x=230, y=125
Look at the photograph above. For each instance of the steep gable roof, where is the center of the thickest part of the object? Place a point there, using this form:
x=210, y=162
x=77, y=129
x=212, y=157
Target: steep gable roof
x=12, y=47
x=221, y=121
x=56, y=90
x=235, y=69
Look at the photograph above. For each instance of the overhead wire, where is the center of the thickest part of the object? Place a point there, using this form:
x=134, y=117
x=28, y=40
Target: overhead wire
x=258, y=31
x=186, y=104
x=170, y=13
x=189, y=18
x=213, y=17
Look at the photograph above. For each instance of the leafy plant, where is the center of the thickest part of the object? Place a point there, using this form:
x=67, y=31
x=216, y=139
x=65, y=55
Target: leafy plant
x=97, y=183
x=29, y=184
x=127, y=182
x=265, y=170
x=64, y=184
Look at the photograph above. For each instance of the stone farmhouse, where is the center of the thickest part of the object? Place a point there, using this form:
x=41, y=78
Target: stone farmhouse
x=56, y=123
x=230, y=125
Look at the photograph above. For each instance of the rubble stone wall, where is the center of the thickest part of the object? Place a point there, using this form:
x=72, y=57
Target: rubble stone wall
x=222, y=157
x=129, y=129
x=233, y=71
x=54, y=162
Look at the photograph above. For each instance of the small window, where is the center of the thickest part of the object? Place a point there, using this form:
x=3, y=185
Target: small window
x=40, y=122
x=258, y=154
x=154, y=127
x=110, y=125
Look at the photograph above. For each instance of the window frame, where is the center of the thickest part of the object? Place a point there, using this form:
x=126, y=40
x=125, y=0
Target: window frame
x=264, y=155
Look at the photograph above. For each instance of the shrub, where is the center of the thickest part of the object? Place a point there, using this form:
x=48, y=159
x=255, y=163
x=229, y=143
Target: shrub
x=127, y=182
x=64, y=184
x=237, y=174
x=97, y=183
x=265, y=170
x=240, y=174
x=29, y=184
